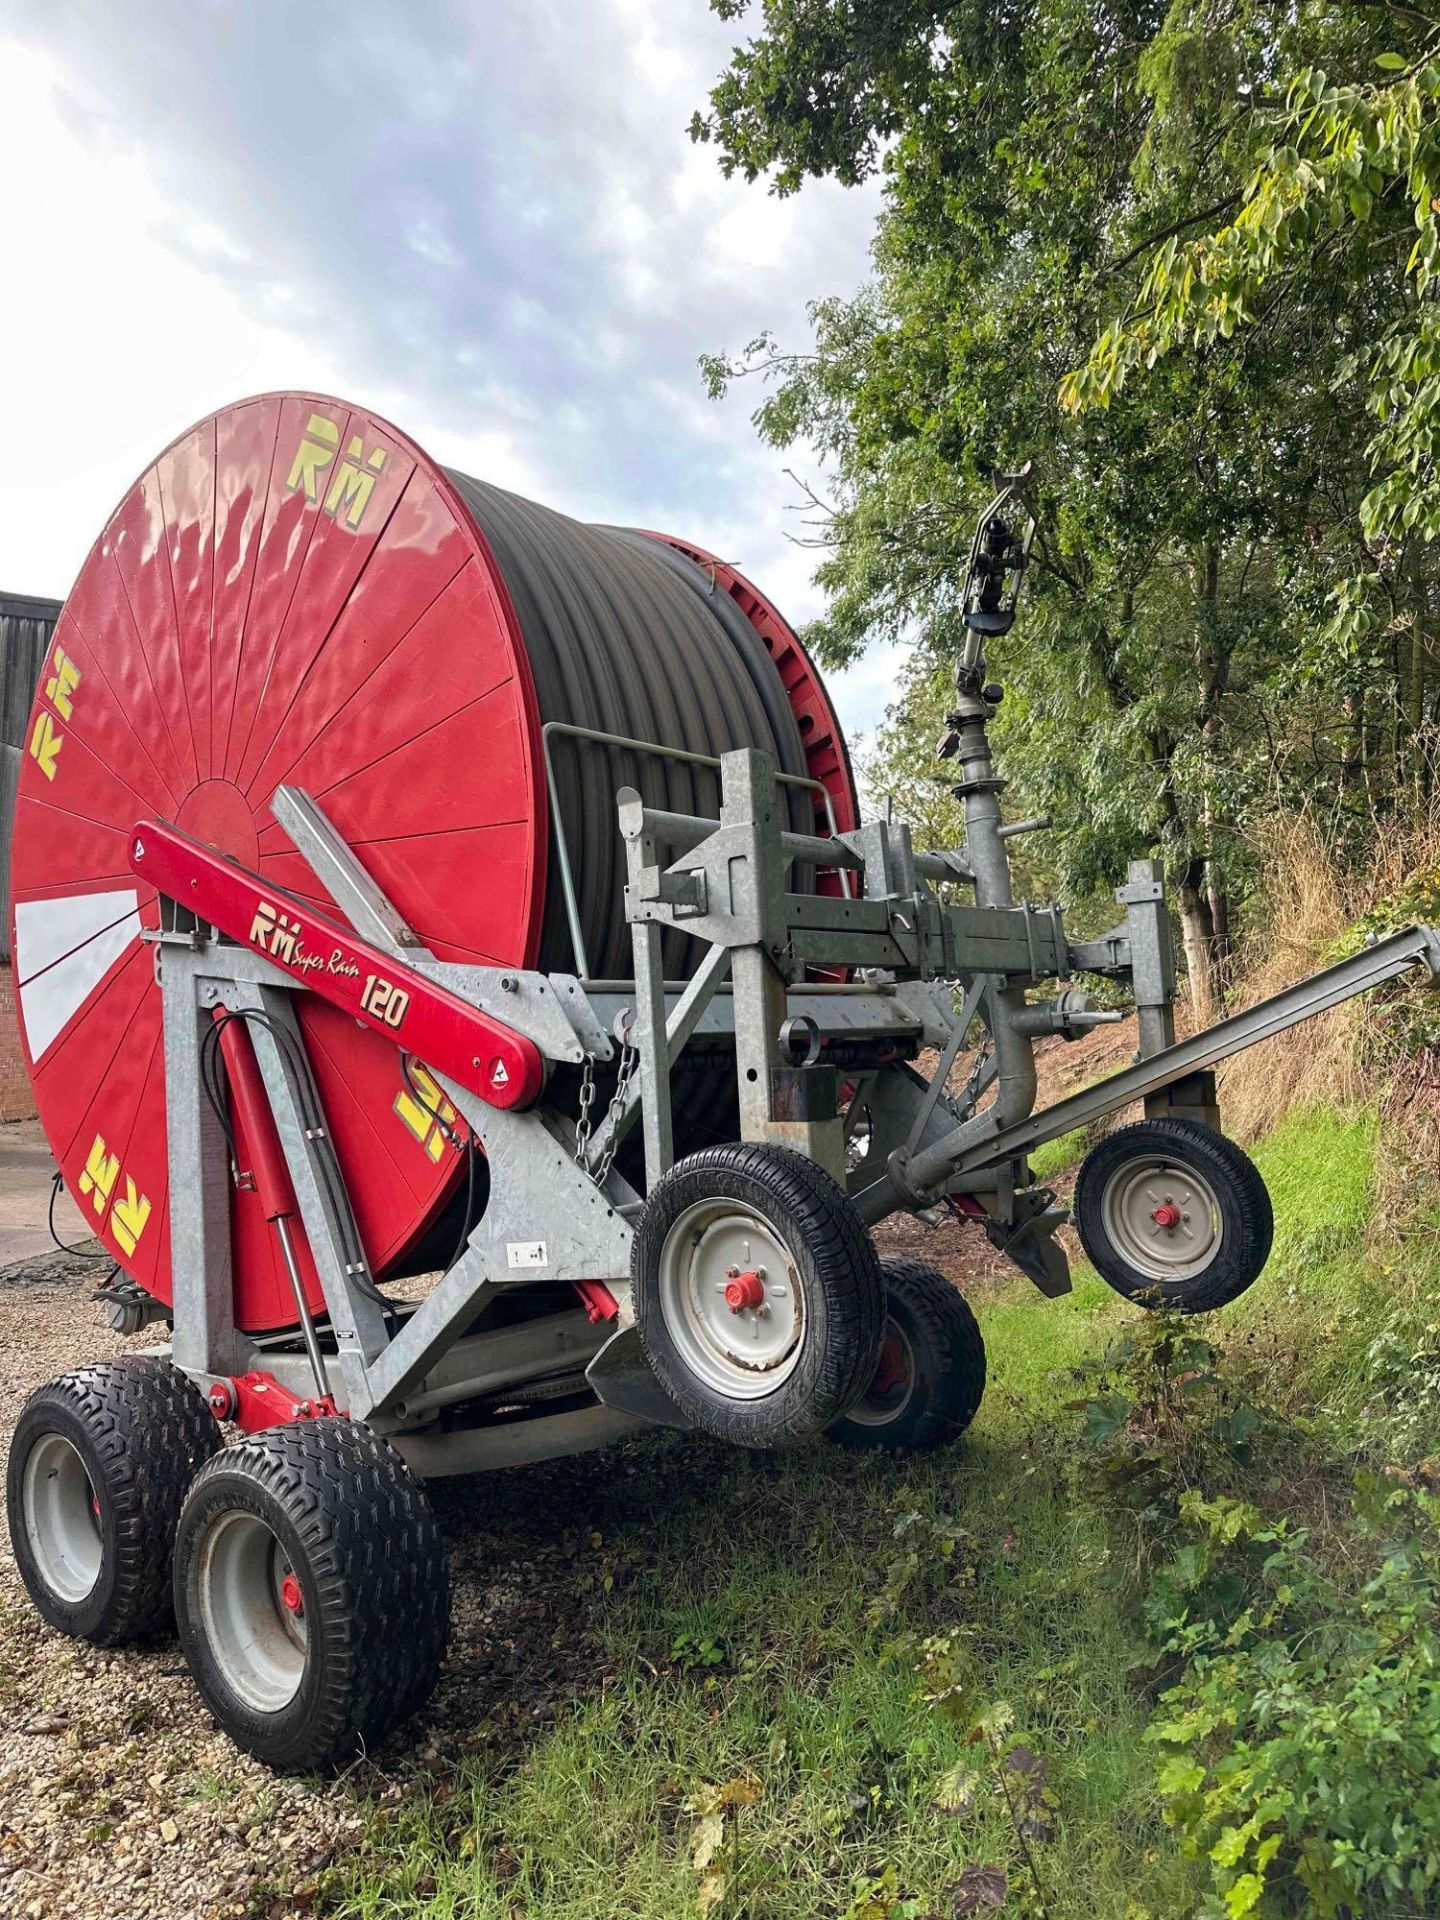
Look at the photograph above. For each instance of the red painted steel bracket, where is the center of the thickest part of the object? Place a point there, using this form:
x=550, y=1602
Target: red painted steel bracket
x=255, y=1401
x=503, y=1067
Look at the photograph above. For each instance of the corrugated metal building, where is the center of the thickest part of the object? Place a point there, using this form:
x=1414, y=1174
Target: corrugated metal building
x=26, y=625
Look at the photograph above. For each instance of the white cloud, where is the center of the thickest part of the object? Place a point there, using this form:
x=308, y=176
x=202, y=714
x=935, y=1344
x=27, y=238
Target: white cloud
x=115, y=337
x=484, y=220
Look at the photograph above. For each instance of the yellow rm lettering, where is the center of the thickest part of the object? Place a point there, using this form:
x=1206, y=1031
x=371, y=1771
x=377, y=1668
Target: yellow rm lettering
x=127, y=1221
x=97, y=1182
x=426, y=1112
x=62, y=683
x=313, y=455
x=46, y=741
x=354, y=483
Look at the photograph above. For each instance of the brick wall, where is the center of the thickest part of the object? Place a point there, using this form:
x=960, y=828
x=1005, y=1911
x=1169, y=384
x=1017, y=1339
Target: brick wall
x=17, y=1102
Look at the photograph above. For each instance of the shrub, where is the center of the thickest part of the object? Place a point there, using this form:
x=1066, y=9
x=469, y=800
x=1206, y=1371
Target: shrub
x=1299, y=1723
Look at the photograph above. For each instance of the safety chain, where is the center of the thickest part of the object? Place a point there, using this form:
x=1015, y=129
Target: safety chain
x=584, y=1126
x=972, y=1085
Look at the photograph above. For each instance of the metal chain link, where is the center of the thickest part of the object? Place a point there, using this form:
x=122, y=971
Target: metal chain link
x=584, y=1126
x=972, y=1085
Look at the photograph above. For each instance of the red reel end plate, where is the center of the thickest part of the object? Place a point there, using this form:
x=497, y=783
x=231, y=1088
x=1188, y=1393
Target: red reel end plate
x=291, y=592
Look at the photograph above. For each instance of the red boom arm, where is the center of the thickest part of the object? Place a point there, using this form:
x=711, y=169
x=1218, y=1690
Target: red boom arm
x=437, y=1026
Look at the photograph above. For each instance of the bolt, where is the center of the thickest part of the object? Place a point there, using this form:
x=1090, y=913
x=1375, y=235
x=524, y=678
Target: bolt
x=509, y=984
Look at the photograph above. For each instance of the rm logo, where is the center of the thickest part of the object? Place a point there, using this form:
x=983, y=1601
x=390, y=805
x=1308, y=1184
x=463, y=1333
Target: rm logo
x=46, y=739
x=423, y=1108
x=354, y=479
x=99, y=1184
x=275, y=932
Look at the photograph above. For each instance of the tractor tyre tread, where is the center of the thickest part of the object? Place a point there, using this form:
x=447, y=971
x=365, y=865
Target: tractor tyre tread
x=362, y=1539
x=143, y=1430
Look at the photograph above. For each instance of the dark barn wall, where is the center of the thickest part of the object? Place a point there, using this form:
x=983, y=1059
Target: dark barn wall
x=26, y=625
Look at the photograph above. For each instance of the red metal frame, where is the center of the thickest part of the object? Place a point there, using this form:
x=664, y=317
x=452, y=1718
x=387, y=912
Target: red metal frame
x=255, y=1401
x=503, y=1067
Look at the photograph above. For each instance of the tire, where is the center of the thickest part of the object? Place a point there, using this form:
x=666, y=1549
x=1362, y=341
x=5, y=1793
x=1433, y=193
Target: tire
x=311, y=1591
x=811, y=1338
x=931, y=1377
x=1206, y=1257
x=99, y=1466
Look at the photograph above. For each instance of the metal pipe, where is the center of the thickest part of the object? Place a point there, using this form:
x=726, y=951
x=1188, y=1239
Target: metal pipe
x=979, y=793
x=1387, y=960
x=302, y=1305
x=684, y=831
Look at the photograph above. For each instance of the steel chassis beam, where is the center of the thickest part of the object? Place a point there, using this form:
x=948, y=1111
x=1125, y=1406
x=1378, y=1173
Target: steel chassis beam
x=728, y=887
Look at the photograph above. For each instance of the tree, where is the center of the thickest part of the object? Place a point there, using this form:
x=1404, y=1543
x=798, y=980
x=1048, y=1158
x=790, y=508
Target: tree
x=1343, y=196
x=1167, y=678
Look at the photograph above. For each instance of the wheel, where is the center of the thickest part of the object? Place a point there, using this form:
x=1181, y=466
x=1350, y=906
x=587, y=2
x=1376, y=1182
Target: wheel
x=311, y=1591
x=1173, y=1214
x=757, y=1294
x=931, y=1377
x=99, y=1465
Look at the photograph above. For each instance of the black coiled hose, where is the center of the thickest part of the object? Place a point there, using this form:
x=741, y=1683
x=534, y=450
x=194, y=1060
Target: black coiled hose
x=629, y=637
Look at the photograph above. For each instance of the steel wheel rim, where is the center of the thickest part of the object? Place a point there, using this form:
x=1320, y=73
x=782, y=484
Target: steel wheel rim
x=879, y=1409
x=1140, y=1189
x=257, y=1642
x=62, y=1522
x=742, y=1354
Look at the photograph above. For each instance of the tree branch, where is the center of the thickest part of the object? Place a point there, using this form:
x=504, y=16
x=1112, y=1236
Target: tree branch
x=1166, y=233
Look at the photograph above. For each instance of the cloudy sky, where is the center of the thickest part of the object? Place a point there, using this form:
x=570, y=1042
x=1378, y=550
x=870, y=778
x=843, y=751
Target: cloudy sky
x=482, y=218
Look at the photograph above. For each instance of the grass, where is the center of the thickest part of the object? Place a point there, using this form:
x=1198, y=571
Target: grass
x=747, y=1665
x=776, y=1568
x=1061, y=1155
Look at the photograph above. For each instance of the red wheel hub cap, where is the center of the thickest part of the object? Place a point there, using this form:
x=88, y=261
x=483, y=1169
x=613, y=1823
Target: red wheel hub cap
x=1167, y=1216
x=744, y=1290
x=890, y=1373
x=291, y=1595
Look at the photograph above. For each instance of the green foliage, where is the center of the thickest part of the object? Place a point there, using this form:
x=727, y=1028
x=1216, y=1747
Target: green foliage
x=1406, y=1018
x=1402, y=1373
x=1349, y=171
x=1299, y=1717
x=697, y=1653
x=1301, y=1743
x=1181, y=666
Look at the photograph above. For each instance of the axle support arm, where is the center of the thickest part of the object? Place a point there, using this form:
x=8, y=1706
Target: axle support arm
x=984, y=1142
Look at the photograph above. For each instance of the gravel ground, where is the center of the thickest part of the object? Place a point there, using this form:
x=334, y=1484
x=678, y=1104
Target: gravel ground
x=117, y=1794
